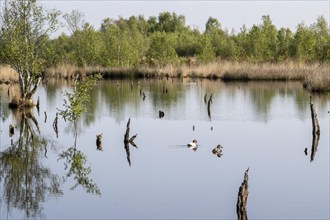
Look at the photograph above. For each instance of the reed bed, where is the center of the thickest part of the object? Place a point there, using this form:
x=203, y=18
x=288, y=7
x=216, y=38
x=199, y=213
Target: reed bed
x=8, y=75
x=318, y=80
x=314, y=77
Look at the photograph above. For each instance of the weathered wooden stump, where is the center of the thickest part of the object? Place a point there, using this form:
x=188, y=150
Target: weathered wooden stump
x=99, y=142
x=316, y=130
x=55, y=122
x=11, y=130
x=242, y=198
x=161, y=114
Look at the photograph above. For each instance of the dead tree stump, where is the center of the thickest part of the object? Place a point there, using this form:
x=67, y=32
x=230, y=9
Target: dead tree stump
x=242, y=198
x=316, y=130
x=99, y=142
x=11, y=130
x=55, y=125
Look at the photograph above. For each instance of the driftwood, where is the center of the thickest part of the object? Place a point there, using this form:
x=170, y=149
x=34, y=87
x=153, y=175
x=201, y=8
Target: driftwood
x=128, y=141
x=316, y=130
x=242, y=198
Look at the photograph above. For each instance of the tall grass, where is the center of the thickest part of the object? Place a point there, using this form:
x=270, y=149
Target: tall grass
x=314, y=77
x=7, y=74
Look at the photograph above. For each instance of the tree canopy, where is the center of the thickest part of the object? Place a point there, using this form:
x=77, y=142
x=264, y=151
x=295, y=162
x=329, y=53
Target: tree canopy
x=24, y=30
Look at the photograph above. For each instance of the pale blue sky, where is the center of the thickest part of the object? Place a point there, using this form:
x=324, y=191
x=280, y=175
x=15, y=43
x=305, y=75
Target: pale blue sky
x=231, y=14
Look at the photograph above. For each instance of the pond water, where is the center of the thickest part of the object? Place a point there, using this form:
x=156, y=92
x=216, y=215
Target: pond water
x=263, y=126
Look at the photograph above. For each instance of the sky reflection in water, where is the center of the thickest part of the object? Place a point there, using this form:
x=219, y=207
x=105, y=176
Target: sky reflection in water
x=262, y=125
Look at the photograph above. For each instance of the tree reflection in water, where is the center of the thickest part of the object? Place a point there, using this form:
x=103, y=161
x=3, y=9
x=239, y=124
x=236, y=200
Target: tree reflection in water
x=25, y=182
x=75, y=161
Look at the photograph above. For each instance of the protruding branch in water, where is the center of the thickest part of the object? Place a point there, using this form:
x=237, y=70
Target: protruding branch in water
x=242, y=198
x=99, y=142
x=45, y=117
x=38, y=105
x=316, y=130
x=161, y=114
x=11, y=130
x=128, y=141
x=209, y=106
x=55, y=125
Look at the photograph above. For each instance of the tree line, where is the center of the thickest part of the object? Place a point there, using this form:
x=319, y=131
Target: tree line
x=25, y=43
x=167, y=39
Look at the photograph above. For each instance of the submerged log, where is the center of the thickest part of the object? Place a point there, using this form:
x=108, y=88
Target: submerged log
x=242, y=198
x=316, y=130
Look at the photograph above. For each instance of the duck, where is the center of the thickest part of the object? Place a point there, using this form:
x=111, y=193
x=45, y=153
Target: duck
x=217, y=150
x=193, y=143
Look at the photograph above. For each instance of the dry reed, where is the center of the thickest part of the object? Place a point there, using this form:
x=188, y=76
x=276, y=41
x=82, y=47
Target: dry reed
x=315, y=77
x=7, y=74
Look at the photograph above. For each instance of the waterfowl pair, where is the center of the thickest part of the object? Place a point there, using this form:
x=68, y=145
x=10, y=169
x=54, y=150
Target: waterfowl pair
x=217, y=150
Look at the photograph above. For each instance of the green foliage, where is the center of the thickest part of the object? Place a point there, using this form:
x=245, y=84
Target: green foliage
x=205, y=50
x=187, y=43
x=87, y=46
x=74, y=105
x=24, y=30
x=75, y=160
x=124, y=41
x=304, y=43
x=167, y=22
x=162, y=49
x=165, y=39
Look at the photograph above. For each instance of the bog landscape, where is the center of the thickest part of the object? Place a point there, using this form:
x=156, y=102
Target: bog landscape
x=149, y=118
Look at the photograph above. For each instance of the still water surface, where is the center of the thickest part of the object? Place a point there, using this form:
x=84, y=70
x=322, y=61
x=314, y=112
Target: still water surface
x=263, y=126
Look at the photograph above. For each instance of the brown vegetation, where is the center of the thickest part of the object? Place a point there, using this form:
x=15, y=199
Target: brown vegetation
x=315, y=77
x=8, y=75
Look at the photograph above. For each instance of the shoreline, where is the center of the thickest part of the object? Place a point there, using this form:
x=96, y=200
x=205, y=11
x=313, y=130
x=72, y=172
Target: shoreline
x=314, y=77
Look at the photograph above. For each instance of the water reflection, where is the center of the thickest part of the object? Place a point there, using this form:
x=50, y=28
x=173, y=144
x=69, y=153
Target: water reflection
x=75, y=162
x=121, y=99
x=129, y=141
x=244, y=110
x=25, y=182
